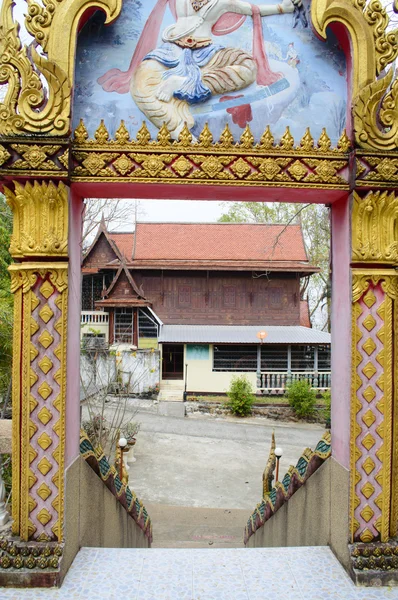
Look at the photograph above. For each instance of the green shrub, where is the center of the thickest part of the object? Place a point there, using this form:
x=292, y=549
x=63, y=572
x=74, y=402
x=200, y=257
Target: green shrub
x=327, y=398
x=301, y=398
x=240, y=396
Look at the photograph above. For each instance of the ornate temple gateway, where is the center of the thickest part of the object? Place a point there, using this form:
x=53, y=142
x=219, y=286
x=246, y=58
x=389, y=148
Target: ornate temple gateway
x=208, y=100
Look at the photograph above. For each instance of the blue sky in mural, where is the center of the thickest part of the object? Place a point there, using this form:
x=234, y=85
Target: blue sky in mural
x=313, y=93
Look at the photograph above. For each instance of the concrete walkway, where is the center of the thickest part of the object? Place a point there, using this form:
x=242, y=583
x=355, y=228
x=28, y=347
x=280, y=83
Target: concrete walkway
x=211, y=463
x=240, y=574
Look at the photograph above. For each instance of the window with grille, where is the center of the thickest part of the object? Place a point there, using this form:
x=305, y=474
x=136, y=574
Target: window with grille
x=235, y=358
x=92, y=287
x=303, y=358
x=324, y=358
x=147, y=327
x=274, y=357
x=124, y=325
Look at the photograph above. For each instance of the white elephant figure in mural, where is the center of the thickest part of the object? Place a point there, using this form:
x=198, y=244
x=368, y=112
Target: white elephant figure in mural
x=188, y=68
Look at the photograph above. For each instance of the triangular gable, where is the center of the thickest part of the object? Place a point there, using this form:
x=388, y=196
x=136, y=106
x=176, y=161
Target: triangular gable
x=96, y=249
x=122, y=281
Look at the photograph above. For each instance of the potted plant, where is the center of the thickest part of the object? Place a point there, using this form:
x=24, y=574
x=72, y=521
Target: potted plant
x=129, y=431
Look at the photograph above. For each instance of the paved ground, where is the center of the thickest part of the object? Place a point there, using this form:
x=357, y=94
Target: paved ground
x=208, y=462
x=200, y=476
x=187, y=527
x=232, y=574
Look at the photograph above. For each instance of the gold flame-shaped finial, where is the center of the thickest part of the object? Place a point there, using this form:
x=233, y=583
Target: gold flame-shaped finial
x=307, y=141
x=101, y=134
x=143, y=135
x=287, y=140
x=164, y=136
x=122, y=135
x=247, y=138
x=206, y=137
x=81, y=133
x=267, y=139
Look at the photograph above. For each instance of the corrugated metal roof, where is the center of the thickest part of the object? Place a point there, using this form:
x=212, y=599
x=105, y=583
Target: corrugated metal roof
x=242, y=334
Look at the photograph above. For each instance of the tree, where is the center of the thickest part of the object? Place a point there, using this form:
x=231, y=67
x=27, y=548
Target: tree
x=6, y=305
x=314, y=220
x=116, y=213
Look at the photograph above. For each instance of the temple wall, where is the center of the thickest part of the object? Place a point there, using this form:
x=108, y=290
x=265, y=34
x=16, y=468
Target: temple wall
x=302, y=521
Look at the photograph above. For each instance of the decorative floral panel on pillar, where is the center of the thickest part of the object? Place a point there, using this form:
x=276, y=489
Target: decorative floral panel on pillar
x=39, y=406
x=372, y=402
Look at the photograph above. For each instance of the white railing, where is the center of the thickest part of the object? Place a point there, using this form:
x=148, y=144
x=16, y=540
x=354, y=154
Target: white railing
x=94, y=317
x=276, y=382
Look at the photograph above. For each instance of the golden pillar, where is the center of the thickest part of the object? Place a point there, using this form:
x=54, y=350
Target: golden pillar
x=39, y=282
x=374, y=447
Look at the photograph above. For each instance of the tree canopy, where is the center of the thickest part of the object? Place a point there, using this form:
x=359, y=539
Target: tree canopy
x=6, y=300
x=315, y=223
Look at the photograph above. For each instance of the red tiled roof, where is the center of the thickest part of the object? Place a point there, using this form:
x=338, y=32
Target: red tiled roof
x=305, y=320
x=124, y=241
x=219, y=241
x=213, y=242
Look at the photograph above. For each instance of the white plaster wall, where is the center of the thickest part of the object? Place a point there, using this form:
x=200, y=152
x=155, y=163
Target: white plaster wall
x=201, y=377
x=97, y=370
x=139, y=369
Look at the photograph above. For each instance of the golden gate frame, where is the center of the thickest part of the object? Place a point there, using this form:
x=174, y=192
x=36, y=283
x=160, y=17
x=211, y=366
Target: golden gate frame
x=46, y=170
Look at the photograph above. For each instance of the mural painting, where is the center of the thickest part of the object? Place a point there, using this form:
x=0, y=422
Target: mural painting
x=210, y=61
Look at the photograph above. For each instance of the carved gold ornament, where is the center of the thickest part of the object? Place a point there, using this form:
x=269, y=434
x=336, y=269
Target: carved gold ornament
x=372, y=400
x=39, y=386
x=374, y=226
x=310, y=164
x=40, y=219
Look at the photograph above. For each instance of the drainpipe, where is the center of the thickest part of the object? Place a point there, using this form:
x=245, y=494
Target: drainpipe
x=289, y=364
x=316, y=378
x=258, y=366
x=186, y=381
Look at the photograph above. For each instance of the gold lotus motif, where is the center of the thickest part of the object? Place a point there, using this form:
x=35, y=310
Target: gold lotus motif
x=367, y=513
x=45, y=364
x=46, y=339
x=182, y=166
x=240, y=168
x=44, y=415
x=46, y=313
x=212, y=166
x=369, y=298
x=369, y=394
x=369, y=370
x=269, y=168
x=46, y=289
x=123, y=164
x=153, y=165
x=44, y=491
x=44, y=390
x=369, y=346
x=44, y=440
x=44, y=465
x=297, y=170
x=368, y=418
x=366, y=536
x=367, y=490
x=94, y=163
x=368, y=465
x=44, y=516
x=368, y=441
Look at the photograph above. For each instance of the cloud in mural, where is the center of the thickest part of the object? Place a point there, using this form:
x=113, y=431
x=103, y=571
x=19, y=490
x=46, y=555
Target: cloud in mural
x=196, y=61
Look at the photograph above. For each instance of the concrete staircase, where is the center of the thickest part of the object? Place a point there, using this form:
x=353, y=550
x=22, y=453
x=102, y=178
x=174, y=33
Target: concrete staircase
x=189, y=527
x=171, y=391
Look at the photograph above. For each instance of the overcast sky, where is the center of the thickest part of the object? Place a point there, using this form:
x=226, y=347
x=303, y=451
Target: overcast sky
x=179, y=210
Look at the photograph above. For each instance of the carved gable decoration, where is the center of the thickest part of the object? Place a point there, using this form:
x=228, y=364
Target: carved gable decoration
x=100, y=253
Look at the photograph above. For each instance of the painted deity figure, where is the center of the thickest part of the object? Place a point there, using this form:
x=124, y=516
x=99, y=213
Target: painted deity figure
x=189, y=67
